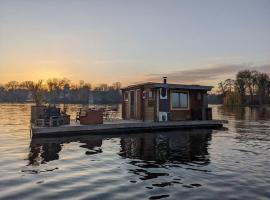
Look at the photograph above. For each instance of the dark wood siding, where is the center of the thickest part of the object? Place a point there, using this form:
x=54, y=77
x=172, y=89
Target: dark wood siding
x=146, y=109
x=132, y=108
x=195, y=104
x=149, y=106
x=180, y=114
x=123, y=106
x=138, y=104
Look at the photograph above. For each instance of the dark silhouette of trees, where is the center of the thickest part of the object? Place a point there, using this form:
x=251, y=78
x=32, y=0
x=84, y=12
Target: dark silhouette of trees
x=59, y=91
x=263, y=82
x=250, y=88
x=36, y=90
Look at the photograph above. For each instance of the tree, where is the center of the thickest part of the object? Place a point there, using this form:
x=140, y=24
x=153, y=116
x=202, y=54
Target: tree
x=52, y=85
x=35, y=89
x=102, y=87
x=241, y=85
x=230, y=85
x=55, y=86
x=2, y=88
x=12, y=85
x=227, y=86
x=232, y=98
x=263, y=82
x=222, y=88
x=116, y=86
x=251, y=83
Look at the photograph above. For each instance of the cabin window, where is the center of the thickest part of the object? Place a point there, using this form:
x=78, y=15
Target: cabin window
x=179, y=100
x=126, y=96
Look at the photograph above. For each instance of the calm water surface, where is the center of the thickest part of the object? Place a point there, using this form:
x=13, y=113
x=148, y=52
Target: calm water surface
x=193, y=164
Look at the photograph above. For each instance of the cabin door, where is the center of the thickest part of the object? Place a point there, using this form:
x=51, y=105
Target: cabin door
x=132, y=104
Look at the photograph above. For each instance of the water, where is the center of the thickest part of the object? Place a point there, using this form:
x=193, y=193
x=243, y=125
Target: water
x=193, y=164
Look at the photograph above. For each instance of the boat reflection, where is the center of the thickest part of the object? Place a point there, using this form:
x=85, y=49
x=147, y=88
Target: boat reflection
x=177, y=147
x=151, y=148
x=44, y=150
x=41, y=153
x=152, y=151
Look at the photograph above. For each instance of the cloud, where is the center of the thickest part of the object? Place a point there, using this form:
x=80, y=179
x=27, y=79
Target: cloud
x=211, y=75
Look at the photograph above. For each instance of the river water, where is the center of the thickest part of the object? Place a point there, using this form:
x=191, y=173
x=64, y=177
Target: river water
x=232, y=163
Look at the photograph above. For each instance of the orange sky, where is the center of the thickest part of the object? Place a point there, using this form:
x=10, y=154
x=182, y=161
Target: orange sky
x=132, y=42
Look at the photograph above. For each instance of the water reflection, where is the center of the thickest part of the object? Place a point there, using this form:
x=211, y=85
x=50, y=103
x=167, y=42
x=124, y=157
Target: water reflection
x=152, y=148
x=245, y=113
x=150, y=151
x=178, y=147
x=41, y=153
x=43, y=150
x=249, y=123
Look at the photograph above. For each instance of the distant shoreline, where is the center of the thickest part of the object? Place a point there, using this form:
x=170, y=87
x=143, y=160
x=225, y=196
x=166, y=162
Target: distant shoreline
x=32, y=102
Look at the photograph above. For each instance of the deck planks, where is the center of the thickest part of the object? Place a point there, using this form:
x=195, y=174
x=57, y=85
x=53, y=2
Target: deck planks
x=122, y=127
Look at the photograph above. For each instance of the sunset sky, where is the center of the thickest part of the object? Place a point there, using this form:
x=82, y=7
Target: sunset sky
x=191, y=41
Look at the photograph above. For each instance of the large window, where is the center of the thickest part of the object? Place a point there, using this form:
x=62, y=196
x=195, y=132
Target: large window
x=179, y=100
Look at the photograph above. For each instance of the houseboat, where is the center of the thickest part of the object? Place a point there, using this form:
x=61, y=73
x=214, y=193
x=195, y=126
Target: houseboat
x=165, y=102
x=145, y=107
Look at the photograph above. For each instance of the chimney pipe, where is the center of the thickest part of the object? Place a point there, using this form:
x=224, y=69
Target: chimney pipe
x=165, y=80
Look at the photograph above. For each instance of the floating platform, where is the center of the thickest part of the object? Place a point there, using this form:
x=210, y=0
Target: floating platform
x=122, y=126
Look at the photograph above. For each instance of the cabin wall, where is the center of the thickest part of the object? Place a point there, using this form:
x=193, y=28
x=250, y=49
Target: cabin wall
x=127, y=113
x=180, y=115
x=123, y=107
x=195, y=102
x=194, y=110
x=125, y=104
x=149, y=107
x=138, y=104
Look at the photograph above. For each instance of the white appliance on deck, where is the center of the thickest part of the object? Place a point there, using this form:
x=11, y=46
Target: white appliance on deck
x=163, y=116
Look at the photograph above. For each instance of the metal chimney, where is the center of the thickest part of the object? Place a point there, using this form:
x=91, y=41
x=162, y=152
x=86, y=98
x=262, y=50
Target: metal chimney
x=165, y=79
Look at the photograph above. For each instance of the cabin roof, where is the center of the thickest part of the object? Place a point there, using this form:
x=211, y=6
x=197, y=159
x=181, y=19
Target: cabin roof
x=169, y=86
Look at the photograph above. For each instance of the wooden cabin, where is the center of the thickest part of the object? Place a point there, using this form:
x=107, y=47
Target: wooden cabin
x=165, y=102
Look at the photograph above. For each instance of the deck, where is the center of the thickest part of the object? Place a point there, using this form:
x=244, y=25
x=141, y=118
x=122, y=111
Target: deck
x=121, y=126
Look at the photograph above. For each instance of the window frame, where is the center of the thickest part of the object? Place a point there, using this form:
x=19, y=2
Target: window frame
x=179, y=108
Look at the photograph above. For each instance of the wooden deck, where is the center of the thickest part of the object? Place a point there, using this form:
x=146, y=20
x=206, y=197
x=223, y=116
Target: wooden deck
x=121, y=126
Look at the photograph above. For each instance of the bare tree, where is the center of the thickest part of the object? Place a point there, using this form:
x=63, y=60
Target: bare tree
x=116, y=86
x=35, y=89
x=2, y=88
x=102, y=87
x=12, y=85
x=241, y=85
x=55, y=86
x=226, y=86
x=222, y=88
x=263, y=82
x=251, y=79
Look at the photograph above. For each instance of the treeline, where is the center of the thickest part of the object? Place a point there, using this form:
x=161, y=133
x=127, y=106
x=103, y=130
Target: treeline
x=59, y=91
x=249, y=88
